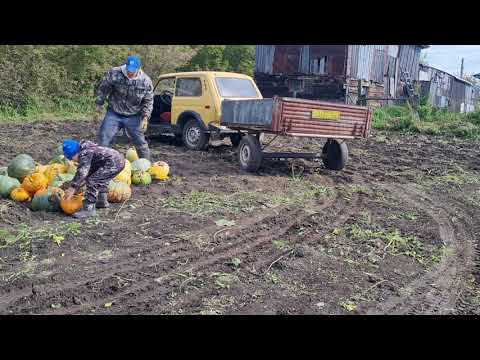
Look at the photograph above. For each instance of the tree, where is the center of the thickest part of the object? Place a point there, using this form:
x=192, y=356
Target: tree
x=241, y=58
x=207, y=58
x=234, y=58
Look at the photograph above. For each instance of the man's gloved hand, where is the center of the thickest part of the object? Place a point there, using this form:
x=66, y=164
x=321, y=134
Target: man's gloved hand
x=69, y=193
x=144, y=123
x=65, y=185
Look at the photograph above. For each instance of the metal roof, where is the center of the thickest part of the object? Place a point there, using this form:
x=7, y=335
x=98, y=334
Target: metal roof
x=443, y=71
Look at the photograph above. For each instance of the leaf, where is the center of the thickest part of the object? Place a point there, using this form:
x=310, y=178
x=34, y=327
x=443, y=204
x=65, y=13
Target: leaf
x=236, y=262
x=58, y=239
x=225, y=222
x=349, y=306
x=337, y=231
x=109, y=304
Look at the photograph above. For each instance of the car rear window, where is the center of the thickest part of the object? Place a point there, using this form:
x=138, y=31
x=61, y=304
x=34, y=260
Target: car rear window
x=234, y=87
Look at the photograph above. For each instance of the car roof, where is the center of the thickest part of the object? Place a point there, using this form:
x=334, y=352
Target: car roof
x=208, y=73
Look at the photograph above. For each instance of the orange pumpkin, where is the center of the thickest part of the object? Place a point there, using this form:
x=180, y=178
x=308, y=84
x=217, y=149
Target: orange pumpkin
x=72, y=205
x=53, y=170
x=41, y=168
x=20, y=194
x=118, y=191
x=35, y=182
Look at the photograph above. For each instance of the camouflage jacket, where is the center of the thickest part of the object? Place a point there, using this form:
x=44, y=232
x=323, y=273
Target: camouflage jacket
x=126, y=96
x=93, y=157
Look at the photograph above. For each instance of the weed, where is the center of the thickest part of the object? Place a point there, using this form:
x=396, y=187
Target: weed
x=273, y=278
x=410, y=215
x=73, y=228
x=427, y=120
x=235, y=262
x=348, y=305
x=224, y=280
x=281, y=245
x=396, y=243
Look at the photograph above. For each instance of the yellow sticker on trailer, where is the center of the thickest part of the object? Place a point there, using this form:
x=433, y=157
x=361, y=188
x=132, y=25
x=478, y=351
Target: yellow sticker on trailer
x=326, y=115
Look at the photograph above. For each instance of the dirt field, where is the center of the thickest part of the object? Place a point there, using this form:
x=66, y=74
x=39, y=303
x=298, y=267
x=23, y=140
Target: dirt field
x=395, y=233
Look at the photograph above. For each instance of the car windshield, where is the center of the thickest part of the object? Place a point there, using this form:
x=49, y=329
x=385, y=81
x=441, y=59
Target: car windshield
x=234, y=87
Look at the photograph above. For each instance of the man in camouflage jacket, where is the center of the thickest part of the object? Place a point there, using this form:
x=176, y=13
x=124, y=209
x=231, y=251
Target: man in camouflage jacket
x=129, y=92
x=97, y=166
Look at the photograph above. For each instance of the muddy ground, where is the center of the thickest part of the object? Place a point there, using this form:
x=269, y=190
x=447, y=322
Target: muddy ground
x=396, y=232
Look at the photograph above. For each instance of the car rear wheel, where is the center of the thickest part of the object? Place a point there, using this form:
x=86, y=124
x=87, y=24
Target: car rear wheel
x=194, y=138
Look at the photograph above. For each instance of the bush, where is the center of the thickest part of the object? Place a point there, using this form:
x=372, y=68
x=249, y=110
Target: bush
x=62, y=79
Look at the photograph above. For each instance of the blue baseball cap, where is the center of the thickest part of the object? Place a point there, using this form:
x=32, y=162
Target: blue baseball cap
x=71, y=148
x=133, y=63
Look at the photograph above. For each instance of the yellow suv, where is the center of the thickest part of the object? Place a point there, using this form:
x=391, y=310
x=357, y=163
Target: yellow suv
x=188, y=104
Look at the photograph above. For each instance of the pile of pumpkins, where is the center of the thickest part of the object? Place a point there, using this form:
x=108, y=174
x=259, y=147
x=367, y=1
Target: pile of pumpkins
x=26, y=181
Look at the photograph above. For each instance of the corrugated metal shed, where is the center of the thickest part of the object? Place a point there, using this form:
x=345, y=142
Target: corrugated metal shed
x=264, y=58
x=445, y=90
x=279, y=67
x=409, y=58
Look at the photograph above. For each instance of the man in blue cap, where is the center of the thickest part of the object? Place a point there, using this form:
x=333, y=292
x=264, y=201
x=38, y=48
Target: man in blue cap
x=129, y=92
x=97, y=166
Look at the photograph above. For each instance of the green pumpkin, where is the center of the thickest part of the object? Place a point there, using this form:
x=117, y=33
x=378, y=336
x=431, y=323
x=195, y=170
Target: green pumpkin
x=141, y=178
x=43, y=202
x=7, y=184
x=141, y=165
x=59, y=150
x=22, y=165
x=4, y=170
x=59, y=159
x=60, y=179
x=71, y=168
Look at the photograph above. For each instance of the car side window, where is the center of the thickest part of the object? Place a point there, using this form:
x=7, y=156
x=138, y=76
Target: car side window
x=165, y=84
x=188, y=87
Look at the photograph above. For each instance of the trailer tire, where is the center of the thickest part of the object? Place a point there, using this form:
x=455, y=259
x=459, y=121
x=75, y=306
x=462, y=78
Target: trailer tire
x=250, y=154
x=335, y=154
x=193, y=136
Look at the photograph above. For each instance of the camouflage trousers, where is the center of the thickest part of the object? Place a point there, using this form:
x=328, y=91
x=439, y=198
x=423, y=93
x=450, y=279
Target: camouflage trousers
x=98, y=180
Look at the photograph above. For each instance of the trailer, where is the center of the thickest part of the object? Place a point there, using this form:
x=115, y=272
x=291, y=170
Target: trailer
x=282, y=116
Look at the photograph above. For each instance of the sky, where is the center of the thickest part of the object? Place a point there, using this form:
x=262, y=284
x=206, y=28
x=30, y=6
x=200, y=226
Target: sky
x=449, y=57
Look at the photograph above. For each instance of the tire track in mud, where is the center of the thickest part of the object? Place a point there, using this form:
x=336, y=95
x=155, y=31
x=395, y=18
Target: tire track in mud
x=244, y=241
x=437, y=291
x=127, y=269
x=347, y=209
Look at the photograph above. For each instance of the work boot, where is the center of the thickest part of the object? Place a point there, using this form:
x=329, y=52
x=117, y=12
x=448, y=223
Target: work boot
x=143, y=152
x=87, y=211
x=102, y=201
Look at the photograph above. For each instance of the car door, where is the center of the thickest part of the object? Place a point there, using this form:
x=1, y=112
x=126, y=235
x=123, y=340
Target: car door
x=192, y=94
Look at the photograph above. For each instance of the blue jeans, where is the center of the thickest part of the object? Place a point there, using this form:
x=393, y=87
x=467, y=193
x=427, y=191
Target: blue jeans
x=113, y=122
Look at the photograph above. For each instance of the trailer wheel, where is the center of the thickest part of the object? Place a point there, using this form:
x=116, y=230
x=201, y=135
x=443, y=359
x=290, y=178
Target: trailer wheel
x=335, y=154
x=235, y=139
x=250, y=153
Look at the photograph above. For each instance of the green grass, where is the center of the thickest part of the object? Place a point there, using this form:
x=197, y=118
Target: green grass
x=398, y=244
x=428, y=121
x=202, y=203
x=35, y=109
